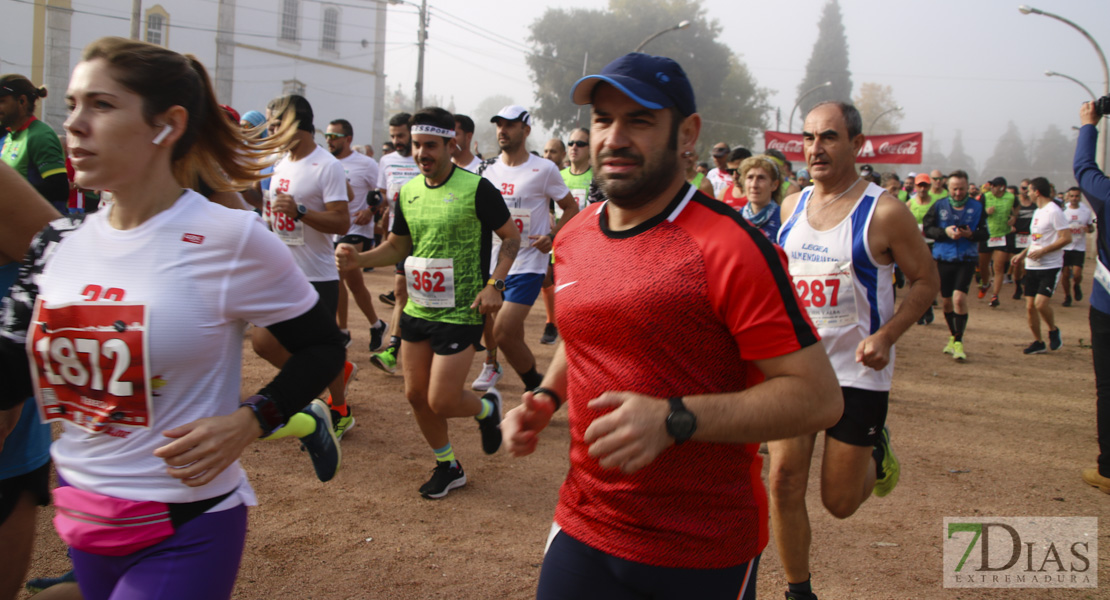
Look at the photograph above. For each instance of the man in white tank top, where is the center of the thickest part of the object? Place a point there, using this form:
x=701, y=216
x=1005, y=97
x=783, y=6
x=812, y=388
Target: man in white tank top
x=842, y=237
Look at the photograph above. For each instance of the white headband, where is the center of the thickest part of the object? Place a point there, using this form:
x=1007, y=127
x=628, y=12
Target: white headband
x=433, y=130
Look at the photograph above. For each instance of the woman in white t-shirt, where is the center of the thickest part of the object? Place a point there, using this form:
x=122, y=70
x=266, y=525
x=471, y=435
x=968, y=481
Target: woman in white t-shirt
x=132, y=320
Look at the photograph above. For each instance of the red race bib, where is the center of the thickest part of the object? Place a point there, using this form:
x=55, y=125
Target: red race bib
x=89, y=364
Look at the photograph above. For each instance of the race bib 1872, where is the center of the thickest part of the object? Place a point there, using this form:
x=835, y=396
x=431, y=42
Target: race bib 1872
x=89, y=363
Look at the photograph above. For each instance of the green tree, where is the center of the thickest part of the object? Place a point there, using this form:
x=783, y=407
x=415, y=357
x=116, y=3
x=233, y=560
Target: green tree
x=1010, y=158
x=959, y=158
x=1052, y=158
x=876, y=101
x=733, y=106
x=828, y=62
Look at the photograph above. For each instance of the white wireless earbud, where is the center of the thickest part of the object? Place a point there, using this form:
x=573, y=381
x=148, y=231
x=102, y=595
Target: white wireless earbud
x=162, y=135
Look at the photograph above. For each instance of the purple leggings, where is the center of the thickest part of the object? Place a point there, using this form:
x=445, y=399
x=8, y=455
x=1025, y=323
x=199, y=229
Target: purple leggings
x=200, y=560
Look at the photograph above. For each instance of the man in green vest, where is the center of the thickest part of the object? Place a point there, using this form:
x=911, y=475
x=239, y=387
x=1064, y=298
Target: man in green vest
x=999, y=206
x=443, y=231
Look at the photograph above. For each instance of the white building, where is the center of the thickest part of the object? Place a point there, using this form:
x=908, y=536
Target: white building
x=330, y=52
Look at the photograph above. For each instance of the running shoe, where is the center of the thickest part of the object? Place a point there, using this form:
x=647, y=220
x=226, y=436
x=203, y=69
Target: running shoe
x=490, y=427
x=550, y=334
x=377, y=335
x=1018, y=293
x=368, y=270
x=490, y=375
x=39, y=584
x=929, y=316
x=321, y=444
x=385, y=360
x=1091, y=477
x=389, y=299
x=1054, y=340
x=346, y=336
x=982, y=292
x=800, y=595
x=951, y=347
x=1078, y=293
x=1067, y=301
x=889, y=466
x=342, y=424
x=444, y=479
x=1036, y=347
x=994, y=301
x=958, y=352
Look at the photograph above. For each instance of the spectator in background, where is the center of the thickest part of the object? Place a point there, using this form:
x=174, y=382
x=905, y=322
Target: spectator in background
x=718, y=175
x=31, y=147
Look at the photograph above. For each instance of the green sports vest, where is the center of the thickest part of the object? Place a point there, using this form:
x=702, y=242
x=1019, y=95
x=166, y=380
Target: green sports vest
x=918, y=209
x=443, y=222
x=996, y=223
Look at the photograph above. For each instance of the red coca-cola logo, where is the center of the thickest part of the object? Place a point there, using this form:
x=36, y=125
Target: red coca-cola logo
x=785, y=146
x=907, y=147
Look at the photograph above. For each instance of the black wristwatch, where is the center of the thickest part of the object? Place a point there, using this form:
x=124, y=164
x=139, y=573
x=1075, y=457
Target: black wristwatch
x=498, y=284
x=266, y=411
x=681, y=423
x=302, y=210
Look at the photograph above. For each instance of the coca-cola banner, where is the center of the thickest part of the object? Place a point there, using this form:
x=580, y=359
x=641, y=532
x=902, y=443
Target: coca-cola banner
x=902, y=148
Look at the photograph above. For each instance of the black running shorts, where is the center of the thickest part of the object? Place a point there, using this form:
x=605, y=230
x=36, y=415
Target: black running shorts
x=329, y=294
x=36, y=483
x=1074, y=258
x=955, y=276
x=446, y=338
x=362, y=242
x=1040, y=282
x=863, y=419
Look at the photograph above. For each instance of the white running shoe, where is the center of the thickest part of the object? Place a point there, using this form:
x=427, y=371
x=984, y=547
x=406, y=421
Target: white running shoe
x=488, y=378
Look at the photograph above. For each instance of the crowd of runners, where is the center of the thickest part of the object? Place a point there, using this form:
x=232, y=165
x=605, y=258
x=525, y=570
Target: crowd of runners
x=786, y=279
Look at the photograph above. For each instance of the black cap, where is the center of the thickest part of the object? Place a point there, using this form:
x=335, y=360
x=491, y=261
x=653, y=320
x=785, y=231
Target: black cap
x=999, y=181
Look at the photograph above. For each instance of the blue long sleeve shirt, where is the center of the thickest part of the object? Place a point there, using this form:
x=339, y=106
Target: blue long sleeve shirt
x=1096, y=186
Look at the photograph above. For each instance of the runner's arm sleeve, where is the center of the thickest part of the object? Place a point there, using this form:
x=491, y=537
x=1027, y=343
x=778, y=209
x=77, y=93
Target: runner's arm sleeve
x=489, y=205
x=931, y=227
x=54, y=188
x=400, y=225
x=1090, y=178
x=318, y=352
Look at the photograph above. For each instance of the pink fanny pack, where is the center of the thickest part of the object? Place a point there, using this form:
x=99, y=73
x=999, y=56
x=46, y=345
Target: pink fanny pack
x=109, y=526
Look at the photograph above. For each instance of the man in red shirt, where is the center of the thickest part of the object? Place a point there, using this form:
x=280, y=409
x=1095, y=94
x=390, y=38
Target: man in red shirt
x=664, y=494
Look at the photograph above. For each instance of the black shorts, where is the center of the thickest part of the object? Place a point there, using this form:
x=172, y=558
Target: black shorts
x=329, y=294
x=446, y=338
x=364, y=243
x=985, y=249
x=863, y=419
x=36, y=482
x=1074, y=258
x=571, y=569
x=955, y=276
x=1040, y=282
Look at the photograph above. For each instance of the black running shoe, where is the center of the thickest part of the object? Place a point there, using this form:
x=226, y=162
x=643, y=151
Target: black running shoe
x=1066, y=302
x=1018, y=293
x=994, y=301
x=347, y=337
x=1078, y=293
x=377, y=336
x=490, y=427
x=800, y=595
x=929, y=316
x=388, y=299
x=444, y=479
x=1035, y=348
x=1054, y=341
x=550, y=334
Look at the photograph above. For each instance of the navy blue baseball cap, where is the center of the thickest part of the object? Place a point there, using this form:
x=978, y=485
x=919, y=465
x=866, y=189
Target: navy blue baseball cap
x=653, y=82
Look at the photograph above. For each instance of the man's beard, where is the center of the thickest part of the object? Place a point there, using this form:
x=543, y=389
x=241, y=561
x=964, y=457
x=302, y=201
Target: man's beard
x=633, y=192
x=403, y=149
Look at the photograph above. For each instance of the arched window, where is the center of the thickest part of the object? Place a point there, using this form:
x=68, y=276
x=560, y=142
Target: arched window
x=290, y=20
x=158, y=25
x=331, y=29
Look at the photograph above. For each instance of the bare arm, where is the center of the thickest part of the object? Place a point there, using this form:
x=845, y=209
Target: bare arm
x=522, y=425
x=392, y=251
x=25, y=214
x=489, y=298
x=335, y=218
x=800, y=395
x=705, y=187
x=893, y=235
x=570, y=208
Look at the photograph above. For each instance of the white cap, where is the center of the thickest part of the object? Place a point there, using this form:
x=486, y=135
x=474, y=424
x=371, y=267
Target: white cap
x=911, y=174
x=513, y=112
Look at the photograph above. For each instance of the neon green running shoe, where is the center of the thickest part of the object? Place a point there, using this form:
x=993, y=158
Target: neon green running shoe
x=951, y=347
x=385, y=360
x=890, y=467
x=342, y=424
x=958, y=352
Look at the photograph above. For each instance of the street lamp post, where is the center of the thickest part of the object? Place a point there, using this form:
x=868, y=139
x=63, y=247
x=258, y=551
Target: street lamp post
x=1100, y=152
x=803, y=97
x=421, y=38
x=682, y=25
x=881, y=115
x=1055, y=74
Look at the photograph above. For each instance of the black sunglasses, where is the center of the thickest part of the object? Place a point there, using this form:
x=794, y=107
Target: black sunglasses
x=732, y=172
x=578, y=144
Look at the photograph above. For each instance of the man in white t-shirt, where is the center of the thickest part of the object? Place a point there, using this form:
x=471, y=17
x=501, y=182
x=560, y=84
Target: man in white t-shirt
x=460, y=152
x=528, y=183
x=307, y=205
x=395, y=170
x=718, y=176
x=1049, y=234
x=1081, y=222
x=362, y=177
